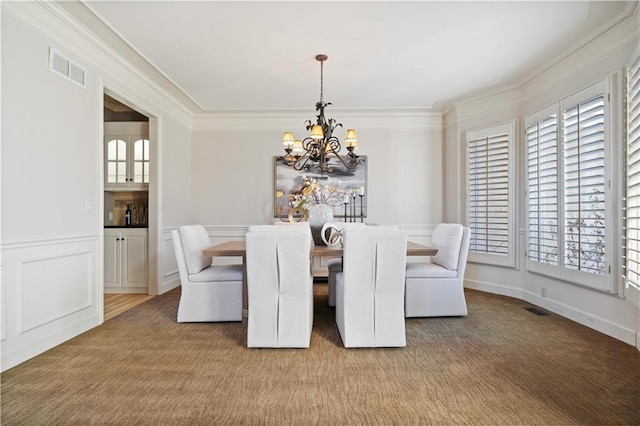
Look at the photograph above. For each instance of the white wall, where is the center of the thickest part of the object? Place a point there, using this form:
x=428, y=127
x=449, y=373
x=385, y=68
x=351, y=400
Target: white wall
x=232, y=165
x=615, y=315
x=51, y=243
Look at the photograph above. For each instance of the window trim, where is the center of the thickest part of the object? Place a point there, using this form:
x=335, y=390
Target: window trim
x=606, y=87
x=509, y=128
x=634, y=66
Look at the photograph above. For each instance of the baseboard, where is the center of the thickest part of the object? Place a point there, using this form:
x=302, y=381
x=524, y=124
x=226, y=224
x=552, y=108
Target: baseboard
x=12, y=357
x=493, y=288
x=169, y=285
x=599, y=324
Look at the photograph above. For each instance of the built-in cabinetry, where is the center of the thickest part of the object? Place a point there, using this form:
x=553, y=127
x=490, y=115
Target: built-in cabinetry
x=126, y=156
x=125, y=260
x=126, y=184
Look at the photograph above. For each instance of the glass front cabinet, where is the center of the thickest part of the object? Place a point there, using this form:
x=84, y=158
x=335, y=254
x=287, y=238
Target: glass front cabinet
x=126, y=156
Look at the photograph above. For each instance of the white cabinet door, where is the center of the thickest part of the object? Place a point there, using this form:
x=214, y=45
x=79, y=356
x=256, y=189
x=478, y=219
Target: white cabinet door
x=126, y=156
x=125, y=260
x=111, y=257
x=134, y=267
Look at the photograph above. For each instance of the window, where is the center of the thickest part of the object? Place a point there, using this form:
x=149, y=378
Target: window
x=569, y=204
x=633, y=176
x=489, y=194
x=542, y=178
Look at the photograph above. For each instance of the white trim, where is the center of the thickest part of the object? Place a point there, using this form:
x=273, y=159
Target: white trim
x=16, y=245
x=31, y=348
x=510, y=128
x=605, y=87
x=363, y=118
x=20, y=327
x=597, y=323
x=55, y=22
x=609, y=39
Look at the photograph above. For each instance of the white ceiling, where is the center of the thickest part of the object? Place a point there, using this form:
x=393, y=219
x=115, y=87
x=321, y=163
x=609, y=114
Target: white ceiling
x=261, y=55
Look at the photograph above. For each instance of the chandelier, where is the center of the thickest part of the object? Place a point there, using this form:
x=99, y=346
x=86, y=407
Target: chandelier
x=321, y=144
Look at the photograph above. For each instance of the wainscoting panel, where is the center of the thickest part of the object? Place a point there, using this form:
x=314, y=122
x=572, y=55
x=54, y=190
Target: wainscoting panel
x=3, y=303
x=54, y=287
x=51, y=292
x=170, y=277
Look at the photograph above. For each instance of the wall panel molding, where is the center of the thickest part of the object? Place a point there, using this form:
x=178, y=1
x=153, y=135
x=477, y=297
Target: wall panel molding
x=26, y=244
x=50, y=293
x=64, y=275
x=3, y=303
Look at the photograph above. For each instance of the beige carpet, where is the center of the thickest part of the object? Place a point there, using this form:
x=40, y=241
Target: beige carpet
x=500, y=365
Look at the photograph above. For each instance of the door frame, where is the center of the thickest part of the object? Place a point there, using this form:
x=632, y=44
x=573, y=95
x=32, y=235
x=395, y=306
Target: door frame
x=154, y=212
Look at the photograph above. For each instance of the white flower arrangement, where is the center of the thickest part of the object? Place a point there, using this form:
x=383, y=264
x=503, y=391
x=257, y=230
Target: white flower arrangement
x=314, y=193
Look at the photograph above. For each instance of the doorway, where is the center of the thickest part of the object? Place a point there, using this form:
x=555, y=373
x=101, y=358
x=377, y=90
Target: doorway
x=129, y=204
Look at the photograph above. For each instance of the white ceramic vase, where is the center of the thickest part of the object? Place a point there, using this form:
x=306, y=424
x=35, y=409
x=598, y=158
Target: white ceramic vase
x=319, y=214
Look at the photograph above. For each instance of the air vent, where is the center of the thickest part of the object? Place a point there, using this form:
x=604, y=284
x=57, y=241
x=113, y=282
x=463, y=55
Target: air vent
x=67, y=69
x=537, y=311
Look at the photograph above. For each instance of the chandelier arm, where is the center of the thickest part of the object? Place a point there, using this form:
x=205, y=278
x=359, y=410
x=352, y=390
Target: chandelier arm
x=334, y=143
x=289, y=159
x=351, y=165
x=299, y=165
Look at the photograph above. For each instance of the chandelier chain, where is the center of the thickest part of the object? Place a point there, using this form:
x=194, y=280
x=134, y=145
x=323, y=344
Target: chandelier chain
x=321, y=79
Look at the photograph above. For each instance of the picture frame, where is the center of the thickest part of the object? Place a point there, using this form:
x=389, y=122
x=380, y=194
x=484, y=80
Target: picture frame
x=288, y=181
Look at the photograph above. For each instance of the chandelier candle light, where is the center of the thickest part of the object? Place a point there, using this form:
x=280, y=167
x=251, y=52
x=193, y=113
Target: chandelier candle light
x=320, y=145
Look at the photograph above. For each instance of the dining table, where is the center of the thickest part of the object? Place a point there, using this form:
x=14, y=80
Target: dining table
x=239, y=249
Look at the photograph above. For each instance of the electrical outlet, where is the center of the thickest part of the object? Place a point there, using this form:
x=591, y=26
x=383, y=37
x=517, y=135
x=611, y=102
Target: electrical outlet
x=89, y=206
x=543, y=292
x=111, y=216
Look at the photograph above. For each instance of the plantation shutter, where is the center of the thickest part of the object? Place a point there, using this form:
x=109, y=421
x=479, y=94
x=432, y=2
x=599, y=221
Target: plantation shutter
x=633, y=176
x=542, y=189
x=488, y=192
x=584, y=185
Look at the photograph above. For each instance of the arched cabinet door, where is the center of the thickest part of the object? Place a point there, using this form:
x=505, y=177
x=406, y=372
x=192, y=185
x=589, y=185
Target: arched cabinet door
x=126, y=156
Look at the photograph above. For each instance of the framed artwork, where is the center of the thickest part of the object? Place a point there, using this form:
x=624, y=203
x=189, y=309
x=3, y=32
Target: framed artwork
x=288, y=182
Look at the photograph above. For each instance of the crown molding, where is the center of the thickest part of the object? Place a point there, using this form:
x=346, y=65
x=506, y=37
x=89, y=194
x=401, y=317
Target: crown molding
x=486, y=104
x=607, y=40
x=58, y=24
x=362, y=118
x=608, y=37
x=622, y=34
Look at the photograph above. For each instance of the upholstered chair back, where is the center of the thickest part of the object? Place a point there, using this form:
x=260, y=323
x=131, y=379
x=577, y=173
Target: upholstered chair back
x=370, y=290
x=208, y=293
x=334, y=265
x=437, y=288
x=280, y=286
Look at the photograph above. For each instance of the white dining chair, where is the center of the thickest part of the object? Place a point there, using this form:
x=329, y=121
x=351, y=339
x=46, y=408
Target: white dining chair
x=334, y=264
x=209, y=293
x=280, y=287
x=436, y=289
x=370, y=290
